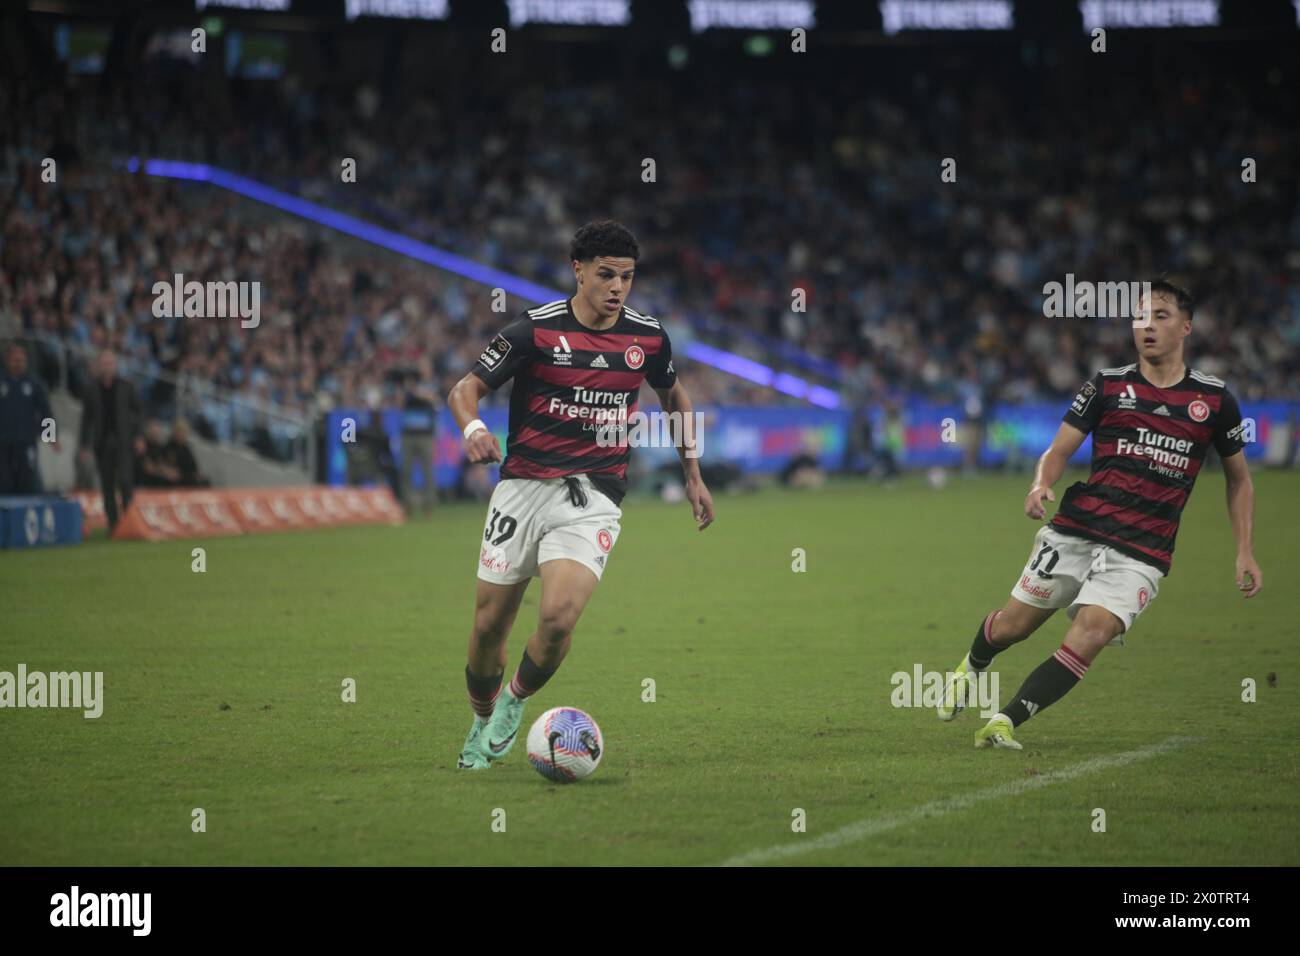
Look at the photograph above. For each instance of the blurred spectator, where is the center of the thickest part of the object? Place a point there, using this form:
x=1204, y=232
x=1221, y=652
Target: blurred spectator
x=110, y=430
x=802, y=471
x=419, y=418
x=371, y=456
x=24, y=405
x=152, y=470
x=180, y=457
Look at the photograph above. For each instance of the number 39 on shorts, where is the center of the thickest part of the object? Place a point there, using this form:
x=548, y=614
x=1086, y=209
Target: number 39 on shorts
x=503, y=526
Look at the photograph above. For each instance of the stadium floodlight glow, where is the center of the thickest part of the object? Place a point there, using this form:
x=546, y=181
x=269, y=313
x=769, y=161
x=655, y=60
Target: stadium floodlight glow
x=751, y=14
x=899, y=15
x=604, y=13
x=262, y=6
x=1149, y=14
x=458, y=265
x=397, y=9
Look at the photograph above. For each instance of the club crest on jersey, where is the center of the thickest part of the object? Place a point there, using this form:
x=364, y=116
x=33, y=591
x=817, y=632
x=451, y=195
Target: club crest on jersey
x=605, y=540
x=634, y=356
x=1143, y=597
x=1128, y=398
x=1198, y=410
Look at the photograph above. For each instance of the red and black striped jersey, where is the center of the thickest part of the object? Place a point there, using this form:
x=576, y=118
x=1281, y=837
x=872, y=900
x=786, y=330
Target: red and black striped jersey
x=1148, y=445
x=570, y=382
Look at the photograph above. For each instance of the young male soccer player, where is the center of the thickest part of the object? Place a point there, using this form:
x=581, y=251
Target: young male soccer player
x=1105, y=552
x=577, y=366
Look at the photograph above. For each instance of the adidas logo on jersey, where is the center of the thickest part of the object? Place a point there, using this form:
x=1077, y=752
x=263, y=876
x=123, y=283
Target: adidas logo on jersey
x=1160, y=410
x=599, y=362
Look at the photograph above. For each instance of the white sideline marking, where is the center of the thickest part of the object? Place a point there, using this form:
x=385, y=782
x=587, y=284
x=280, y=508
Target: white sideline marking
x=862, y=829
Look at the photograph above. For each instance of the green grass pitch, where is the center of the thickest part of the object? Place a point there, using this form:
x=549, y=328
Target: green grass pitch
x=223, y=692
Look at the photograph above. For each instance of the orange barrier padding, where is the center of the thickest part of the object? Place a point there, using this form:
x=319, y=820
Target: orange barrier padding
x=157, y=515
x=92, y=509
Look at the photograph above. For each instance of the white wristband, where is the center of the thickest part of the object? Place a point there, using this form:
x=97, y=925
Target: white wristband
x=474, y=426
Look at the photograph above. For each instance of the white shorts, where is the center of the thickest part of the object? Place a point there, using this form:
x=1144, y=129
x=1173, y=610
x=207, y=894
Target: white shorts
x=532, y=520
x=1065, y=570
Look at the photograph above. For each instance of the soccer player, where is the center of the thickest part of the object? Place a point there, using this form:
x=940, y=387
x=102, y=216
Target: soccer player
x=577, y=366
x=1111, y=542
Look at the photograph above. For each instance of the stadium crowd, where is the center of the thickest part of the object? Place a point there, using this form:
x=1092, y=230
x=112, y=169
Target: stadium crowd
x=913, y=285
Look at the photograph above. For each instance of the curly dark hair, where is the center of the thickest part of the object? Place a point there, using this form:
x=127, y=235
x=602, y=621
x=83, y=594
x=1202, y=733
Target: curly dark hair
x=603, y=238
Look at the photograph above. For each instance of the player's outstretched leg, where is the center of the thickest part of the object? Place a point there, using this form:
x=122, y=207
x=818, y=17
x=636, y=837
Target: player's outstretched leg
x=999, y=630
x=1093, y=628
x=495, y=607
x=566, y=587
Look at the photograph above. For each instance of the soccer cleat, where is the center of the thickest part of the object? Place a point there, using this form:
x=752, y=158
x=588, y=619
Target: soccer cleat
x=471, y=755
x=998, y=732
x=957, y=691
x=499, y=735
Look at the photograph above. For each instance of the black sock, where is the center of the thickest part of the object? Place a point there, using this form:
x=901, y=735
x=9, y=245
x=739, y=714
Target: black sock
x=529, y=678
x=482, y=692
x=1049, y=682
x=981, y=651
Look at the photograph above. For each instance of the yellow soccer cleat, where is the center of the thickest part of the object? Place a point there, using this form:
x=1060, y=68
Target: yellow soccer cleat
x=998, y=732
x=959, y=688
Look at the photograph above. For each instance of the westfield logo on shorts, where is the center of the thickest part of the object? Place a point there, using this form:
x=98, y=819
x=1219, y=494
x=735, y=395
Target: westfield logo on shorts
x=1034, y=590
x=494, y=560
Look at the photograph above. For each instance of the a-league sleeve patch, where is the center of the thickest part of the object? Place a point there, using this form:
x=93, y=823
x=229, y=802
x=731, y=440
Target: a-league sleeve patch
x=1083, y=399
x=495, y=353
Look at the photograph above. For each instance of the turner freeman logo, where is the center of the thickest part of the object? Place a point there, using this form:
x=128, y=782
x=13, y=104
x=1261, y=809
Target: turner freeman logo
x=594, y=404
x=1198, y=410
x=1166, y=453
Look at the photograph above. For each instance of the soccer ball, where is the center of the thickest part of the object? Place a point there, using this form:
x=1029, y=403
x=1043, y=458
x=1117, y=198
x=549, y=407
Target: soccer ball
x=565, y=745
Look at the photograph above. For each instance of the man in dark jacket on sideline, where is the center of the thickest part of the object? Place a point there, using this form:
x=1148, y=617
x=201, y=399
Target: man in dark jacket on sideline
x=110, y=429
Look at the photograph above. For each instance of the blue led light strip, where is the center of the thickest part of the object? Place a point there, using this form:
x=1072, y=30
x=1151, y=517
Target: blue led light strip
x=728, y=362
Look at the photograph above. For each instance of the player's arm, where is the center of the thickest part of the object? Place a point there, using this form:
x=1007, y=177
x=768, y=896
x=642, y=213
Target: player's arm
x=1230, y=443
x=1083, y=415
x=480, y=444
x=675, y=399
x=508, y=352
x=1051, y=465
x=662, y=377
x=1241, y=511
